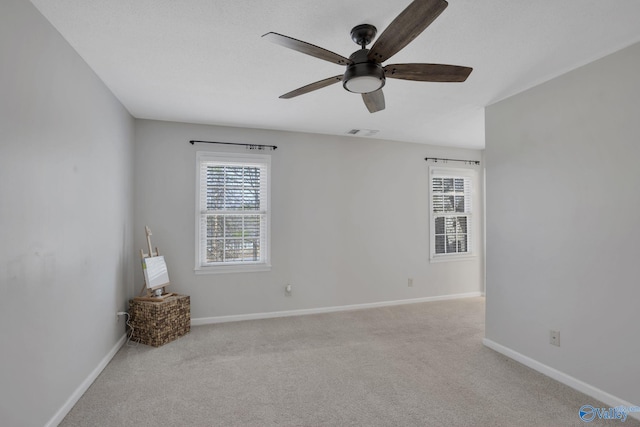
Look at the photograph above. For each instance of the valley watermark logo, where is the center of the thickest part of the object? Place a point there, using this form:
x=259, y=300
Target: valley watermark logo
x=588, y=413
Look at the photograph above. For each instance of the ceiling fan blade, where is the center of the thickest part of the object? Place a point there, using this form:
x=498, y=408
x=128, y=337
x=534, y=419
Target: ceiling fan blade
x=428, y=72
x=312, y=86
x=374, y=100
x=407, y=26
x=307, y=48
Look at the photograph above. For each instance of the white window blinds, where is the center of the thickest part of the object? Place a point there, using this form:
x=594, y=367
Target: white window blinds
x=451, y=211
x=233, y=210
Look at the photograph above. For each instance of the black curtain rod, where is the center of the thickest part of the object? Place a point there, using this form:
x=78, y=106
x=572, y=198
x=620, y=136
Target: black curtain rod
x=438, y=159
x=248, y=146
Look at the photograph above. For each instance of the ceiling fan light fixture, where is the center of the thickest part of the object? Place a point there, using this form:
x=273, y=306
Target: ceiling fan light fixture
x=363, y=84
x=363, y=77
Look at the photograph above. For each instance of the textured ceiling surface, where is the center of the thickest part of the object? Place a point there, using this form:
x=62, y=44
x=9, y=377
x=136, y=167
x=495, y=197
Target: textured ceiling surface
x=204, y=61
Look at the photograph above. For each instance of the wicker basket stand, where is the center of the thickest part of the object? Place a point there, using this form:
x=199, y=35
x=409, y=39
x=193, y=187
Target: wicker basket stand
x=157, y=323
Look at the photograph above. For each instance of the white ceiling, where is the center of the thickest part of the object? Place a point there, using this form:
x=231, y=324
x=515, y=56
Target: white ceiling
x=203, y=61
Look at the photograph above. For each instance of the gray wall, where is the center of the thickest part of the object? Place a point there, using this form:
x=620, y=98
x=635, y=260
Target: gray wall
x=66, y=210
x=562, y=240
x=349, y=221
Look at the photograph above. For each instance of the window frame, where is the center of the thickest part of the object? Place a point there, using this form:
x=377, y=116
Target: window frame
x=447, y=172
x=263, y=160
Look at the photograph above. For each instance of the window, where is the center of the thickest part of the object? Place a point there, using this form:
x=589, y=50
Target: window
x=451, y=213
x=232, y=224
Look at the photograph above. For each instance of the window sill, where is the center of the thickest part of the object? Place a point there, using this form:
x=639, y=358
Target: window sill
x=233, y=268
x=448, y=258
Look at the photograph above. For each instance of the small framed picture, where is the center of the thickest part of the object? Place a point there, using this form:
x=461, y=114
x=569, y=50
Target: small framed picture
x=155, y=272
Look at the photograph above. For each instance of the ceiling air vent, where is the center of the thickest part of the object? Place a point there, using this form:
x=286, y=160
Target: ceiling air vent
x=362, y=132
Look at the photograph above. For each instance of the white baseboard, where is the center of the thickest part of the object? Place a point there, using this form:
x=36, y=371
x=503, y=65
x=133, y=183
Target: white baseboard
x=82, y=388
x=269, y=315
x=560, y=376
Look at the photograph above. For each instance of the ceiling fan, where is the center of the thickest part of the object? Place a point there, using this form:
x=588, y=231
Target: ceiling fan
x=365, y=73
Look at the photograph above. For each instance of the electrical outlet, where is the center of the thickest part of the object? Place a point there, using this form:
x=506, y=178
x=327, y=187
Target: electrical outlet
x=410, y=282
x=554, y=338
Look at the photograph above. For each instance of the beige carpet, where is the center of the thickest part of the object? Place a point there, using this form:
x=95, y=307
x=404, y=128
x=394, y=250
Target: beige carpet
x=411, y=365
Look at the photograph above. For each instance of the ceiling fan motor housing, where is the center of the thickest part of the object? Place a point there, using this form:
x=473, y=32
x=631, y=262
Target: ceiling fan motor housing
x=363, y=75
